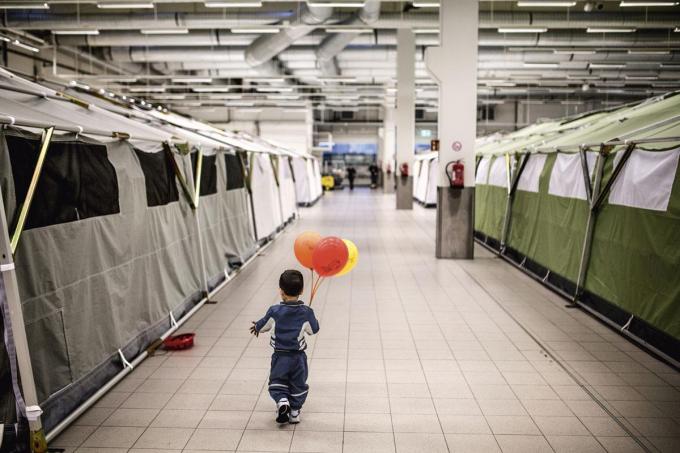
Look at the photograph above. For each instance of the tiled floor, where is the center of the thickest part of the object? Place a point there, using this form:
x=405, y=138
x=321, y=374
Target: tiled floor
x=414, y=355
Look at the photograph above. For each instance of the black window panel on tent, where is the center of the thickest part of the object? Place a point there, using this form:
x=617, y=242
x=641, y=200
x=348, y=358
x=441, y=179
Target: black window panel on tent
x=159, y=178
x=234, y=172
x=77, y=181
x=208, y=173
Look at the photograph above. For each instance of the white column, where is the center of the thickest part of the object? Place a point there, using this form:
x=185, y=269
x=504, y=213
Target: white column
x=454, y=65
x=406, y=115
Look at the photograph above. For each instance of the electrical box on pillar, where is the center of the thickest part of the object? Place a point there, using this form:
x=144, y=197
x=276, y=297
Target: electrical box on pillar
x=455, y=171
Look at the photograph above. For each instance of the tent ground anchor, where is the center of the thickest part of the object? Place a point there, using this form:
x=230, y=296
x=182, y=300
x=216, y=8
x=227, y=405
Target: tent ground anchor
x=205, y=295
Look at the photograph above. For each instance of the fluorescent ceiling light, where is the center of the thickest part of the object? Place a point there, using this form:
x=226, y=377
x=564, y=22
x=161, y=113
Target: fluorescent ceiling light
x=567, y=102
x=165, y=31
x=625, y=4
x=641, y=77
x=541, y=65
x=267, y=79
x=119, y=79
x=425, y=4
x=122, y=5
x=283, y=97
x=498, y=83
x=252, y=110
x=573, y=51
x=147, y=89
x=274, y=89
x=24, y=6
x=423, y=31
x=211, y=89
x=606, y=65
x=192, y=80
x=610, y=30
x=337, y=79
x=21, y=45
x=583, y=77
x=546, y=4
x=677, y=30
x=347, y=30
x=255, y=30
x=75, y=32
x=531, y=102
x=648, y=52
x=492, y=101
x=5, y=39
x=239, y=4
x=168, y=96
x=523, y=30
x=338, y=4
x=239, y=104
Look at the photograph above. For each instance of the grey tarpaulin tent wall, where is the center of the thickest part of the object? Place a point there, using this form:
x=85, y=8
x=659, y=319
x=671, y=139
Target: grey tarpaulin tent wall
x=119, y=242
x=593, y=212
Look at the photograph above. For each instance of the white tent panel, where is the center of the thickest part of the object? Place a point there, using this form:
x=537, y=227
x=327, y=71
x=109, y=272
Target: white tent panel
x=302, y=180
x=482, y=176
x=530, y=177
x=646, y=180
x=417, y=168
x=498, y=175
x=431, y=193
x=421, y=182
x=566, y=179
x=266, y=203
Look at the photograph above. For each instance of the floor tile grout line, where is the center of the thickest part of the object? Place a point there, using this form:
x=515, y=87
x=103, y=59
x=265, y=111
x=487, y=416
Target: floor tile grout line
x=574, y=378
x=461, y=371
x=566, y=369
x=382, y=350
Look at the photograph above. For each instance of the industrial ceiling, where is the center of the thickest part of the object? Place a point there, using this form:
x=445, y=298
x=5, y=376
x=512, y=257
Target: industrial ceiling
x=248, y=54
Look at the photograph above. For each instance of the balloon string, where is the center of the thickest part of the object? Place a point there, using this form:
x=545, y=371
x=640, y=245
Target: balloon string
x=315, y=288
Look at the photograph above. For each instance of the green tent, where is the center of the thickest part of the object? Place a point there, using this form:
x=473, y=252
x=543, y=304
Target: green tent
x=609, y=244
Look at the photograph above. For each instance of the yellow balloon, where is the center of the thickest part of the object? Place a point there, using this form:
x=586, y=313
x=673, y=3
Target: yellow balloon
x=352, y=257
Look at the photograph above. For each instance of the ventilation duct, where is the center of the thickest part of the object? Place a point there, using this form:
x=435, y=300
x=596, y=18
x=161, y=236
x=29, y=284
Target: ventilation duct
x=334, y=44
x=267, y=47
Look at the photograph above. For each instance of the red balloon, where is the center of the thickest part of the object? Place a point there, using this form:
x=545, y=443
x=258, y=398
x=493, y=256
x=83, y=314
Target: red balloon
x=304, y=247
x=330, y=256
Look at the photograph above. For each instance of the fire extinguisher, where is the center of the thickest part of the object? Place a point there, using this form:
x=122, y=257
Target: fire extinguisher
x=455, y=171
x=403, y=169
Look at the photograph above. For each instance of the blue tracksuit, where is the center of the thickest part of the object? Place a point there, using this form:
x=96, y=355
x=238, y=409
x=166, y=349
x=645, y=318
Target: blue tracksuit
x=289, y=322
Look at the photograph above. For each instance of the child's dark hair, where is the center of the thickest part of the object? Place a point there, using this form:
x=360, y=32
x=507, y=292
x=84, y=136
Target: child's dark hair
x=291, y=282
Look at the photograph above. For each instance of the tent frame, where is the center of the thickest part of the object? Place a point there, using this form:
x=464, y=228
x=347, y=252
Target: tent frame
x=16, y=334
x=595, y=198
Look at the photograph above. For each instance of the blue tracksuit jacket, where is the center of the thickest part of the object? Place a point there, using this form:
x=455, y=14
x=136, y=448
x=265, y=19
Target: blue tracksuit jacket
x=289, y=322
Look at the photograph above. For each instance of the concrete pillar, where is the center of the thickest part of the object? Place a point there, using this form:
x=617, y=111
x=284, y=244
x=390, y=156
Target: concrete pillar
x=454, y=65
x=388, y=149
x=406, y=114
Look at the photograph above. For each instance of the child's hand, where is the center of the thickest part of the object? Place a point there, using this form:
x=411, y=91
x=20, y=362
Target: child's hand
x=253, y=330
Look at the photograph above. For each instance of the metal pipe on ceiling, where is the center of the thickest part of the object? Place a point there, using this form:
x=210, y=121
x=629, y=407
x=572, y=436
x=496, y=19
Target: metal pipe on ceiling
x=267, y=47
x=336, y=42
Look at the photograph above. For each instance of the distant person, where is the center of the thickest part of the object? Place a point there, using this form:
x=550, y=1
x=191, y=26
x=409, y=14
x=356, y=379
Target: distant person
x=374, y=170
x=351, y=174
x=291, y=320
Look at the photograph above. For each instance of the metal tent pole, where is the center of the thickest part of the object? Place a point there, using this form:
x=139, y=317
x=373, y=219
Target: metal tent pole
x=38, y=443
x=197, y=191
x=596, y=200
x=590, y=225
x=512, y=189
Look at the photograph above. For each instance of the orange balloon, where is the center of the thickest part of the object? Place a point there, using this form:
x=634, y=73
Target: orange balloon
x=304, y=247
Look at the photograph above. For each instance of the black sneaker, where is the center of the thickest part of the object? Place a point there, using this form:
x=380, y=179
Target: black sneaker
x=283, y=410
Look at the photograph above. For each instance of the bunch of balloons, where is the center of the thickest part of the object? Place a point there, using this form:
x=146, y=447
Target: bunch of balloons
x=328, y=257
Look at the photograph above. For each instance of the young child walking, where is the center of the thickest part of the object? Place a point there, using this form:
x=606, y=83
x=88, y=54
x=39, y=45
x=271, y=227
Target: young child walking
x=289, y=321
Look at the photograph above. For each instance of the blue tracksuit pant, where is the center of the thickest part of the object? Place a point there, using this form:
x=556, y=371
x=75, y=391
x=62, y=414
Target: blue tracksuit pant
x=288, y=378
